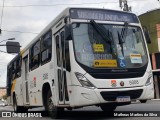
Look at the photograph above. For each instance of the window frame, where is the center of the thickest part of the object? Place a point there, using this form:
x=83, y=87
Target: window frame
x=48, y=50
x=32, y=57
x=14, y=68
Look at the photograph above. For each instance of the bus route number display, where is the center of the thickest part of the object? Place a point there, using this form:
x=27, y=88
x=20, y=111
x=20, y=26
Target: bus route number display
x=105, y=15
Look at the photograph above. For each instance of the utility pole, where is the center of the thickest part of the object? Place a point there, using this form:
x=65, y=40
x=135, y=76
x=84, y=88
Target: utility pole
x=124, y=5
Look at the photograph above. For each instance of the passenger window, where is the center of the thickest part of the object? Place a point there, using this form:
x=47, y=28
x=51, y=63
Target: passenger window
x=46, y=47
x=18, y=67
x=35, y=56
x=19, y=64
x=15, y=70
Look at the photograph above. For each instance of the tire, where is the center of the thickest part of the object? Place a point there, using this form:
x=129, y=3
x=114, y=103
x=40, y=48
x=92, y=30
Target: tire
x=108, y=107
x=143, y=101
x=52, y=110
x=18, y=109
x=24, y=109
x=15, y=106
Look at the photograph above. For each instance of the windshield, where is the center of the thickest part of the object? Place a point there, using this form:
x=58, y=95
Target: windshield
x=95, y=50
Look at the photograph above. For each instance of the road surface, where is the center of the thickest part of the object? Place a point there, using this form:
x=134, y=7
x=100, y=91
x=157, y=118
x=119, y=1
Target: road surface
x=151, y=108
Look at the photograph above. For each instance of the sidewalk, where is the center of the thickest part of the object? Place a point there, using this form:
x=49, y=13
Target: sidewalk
x=148, y=101
x=155, y=99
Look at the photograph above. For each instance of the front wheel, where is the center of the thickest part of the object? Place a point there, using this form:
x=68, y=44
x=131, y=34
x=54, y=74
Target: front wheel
x=108, y=107
x=15, y=106
x=52, y=110
x=18, y=109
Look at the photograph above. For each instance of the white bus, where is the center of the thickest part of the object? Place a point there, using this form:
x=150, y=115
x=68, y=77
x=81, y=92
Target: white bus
x=84, y=57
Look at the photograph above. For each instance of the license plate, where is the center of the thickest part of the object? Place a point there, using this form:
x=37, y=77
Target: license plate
x=123, y=99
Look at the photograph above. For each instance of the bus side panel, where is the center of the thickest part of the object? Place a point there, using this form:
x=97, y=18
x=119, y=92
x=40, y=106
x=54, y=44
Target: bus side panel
x=37, y=78
x=17, y=88
x=35, y=83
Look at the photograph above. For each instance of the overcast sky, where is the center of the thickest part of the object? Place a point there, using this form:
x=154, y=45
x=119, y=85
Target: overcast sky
x=20, y=15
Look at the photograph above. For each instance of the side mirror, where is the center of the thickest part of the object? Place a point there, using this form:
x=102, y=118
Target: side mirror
x=13, y=47
x=146, y=34
x=68, y=35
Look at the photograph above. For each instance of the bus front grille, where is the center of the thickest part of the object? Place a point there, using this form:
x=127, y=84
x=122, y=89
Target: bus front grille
x=112, y=95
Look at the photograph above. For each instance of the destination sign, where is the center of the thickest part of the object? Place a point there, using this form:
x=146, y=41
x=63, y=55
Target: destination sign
x=104, y=15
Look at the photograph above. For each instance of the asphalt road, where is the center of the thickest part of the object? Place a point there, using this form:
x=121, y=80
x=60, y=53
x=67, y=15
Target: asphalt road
x=151, y=108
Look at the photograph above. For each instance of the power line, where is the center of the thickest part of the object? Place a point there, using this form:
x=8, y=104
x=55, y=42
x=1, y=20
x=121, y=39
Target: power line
x=47, y=5
x=2, y=71
x=35, y=32
x=7, y=52
x=20, y=32
x=3, y=64
x=3, y=51
x=55, y=4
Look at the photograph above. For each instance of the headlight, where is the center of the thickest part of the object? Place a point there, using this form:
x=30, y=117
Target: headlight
x=84, y=81
x=149, y=80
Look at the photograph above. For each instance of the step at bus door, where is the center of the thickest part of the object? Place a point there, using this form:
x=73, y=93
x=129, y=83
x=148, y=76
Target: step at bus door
x=25, y=80
x=61, y=68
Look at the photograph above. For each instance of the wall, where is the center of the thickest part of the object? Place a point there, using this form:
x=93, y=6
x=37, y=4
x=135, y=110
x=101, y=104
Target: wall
x=150, y=20
x=2, y=92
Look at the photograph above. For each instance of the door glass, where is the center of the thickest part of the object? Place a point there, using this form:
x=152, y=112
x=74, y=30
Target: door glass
x=26, y=68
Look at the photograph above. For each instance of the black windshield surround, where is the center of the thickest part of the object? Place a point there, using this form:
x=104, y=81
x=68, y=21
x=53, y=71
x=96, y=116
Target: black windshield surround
x=117, y=72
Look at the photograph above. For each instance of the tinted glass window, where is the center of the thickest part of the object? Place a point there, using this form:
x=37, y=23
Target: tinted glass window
x=35, y=56
x=97, y=50
x=46, y=47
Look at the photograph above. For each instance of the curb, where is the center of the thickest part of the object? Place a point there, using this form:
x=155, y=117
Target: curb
x=155, y=99
x=136, y=101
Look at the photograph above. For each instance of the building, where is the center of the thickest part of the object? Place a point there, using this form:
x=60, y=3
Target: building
x=151, y=20
x=2, y=92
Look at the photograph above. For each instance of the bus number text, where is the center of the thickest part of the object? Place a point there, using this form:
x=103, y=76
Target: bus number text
x=133, y=82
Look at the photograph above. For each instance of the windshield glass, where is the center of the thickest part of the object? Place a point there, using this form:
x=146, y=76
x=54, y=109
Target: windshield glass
x=101, y=46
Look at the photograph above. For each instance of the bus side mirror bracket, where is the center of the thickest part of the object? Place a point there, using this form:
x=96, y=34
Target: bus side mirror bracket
x=68, y=35
x=146, y=34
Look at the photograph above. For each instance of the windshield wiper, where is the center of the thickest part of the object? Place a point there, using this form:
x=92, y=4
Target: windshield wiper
x=104, y=34
x=122, y=36
x=120, y=43
x=124, y=31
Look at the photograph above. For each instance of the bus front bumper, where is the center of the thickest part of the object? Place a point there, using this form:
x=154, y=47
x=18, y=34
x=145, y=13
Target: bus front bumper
x=84, y=97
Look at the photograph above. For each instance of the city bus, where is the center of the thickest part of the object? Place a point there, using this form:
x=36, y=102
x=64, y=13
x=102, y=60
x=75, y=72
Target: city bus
x=84, y=57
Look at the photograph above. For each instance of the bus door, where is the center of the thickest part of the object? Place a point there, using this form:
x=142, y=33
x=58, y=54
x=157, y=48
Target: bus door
x=61, y=68
x=25, y=80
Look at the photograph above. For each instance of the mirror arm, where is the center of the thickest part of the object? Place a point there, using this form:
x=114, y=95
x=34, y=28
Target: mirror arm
x=146, y=34
x=68, y=32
